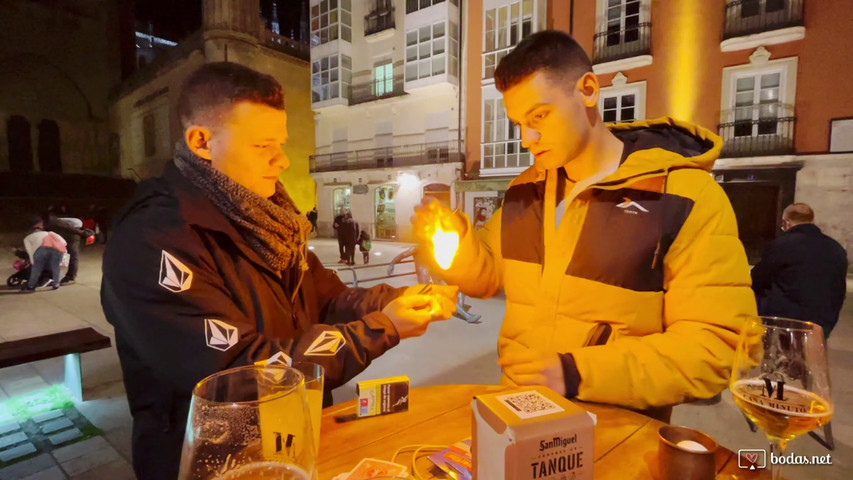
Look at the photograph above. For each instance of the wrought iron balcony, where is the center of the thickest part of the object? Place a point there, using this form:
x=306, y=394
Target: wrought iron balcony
x=758, y=130
x=380, y=18
x=747, y=17
x=400, y=156
x=376, y=89
x=610, y=45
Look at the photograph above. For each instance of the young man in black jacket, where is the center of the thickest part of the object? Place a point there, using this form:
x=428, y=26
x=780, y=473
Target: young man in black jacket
x=208, y=268
x=803, y=273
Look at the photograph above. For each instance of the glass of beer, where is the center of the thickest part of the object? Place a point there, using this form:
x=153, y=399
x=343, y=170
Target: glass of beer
x=780, y=379
x=249, y=423
x=314, y=375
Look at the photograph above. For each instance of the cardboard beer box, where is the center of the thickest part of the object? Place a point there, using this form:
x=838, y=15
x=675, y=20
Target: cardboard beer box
x=382, y=395
x=531, y=434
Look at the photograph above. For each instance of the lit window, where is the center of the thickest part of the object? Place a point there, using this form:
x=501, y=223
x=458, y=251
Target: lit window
x=383, y=79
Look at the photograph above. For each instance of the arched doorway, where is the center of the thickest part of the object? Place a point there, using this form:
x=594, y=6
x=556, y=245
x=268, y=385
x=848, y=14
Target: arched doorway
x=438, y=191
x=20, y=144
x=50, y=160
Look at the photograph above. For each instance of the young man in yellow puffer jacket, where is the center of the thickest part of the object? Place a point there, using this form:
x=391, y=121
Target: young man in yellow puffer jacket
x=625, y=279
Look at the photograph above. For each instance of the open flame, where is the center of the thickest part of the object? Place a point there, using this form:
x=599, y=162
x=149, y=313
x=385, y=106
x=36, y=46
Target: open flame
x=446, y=244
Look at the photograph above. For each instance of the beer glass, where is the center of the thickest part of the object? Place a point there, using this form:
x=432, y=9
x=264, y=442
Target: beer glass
x=780, y=379
x=314, y=375
x=249, y=423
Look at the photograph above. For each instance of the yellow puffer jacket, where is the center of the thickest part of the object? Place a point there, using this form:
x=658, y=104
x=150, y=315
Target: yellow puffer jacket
x=651, y=250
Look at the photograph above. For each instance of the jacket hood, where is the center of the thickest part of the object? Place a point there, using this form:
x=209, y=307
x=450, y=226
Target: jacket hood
x=656, y=146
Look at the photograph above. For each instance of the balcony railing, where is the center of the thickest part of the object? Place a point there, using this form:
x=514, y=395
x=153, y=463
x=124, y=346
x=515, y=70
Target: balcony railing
x=758, y=130
x=746, y=17
x=376, y=89
x=400, y=156
x=613, y=45
x=380, y=19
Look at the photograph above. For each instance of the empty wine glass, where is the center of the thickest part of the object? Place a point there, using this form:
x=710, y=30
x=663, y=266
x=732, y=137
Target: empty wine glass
x=249, y=423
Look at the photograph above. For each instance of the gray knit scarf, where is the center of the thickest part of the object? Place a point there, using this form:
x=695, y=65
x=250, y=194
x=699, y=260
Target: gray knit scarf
x=274, y=227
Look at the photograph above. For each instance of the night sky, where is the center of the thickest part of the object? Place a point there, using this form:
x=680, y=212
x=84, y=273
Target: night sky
x=175, y=20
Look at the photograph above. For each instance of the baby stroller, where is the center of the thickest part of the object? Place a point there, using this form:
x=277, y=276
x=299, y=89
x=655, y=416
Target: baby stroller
x=22, y=270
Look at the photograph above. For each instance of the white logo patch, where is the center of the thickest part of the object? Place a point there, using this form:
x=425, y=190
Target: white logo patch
x=174, y=275
x=326, y=344
x=219, y=335
x=630, y=206
x=279, y=358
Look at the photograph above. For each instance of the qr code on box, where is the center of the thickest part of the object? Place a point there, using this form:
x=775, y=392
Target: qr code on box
x=529, y=404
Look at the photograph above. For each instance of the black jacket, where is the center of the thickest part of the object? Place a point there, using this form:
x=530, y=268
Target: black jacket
x=802, y=275
x=189, y=297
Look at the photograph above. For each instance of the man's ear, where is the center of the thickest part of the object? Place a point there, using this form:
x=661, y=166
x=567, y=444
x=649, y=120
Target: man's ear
x=198, y=139
x=590, y=89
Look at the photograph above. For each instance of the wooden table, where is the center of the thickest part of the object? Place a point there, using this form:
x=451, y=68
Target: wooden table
x=626, y=442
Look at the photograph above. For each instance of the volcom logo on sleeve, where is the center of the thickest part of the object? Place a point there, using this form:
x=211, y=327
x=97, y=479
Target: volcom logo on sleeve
x=219, y=335
x=326, y=344
x=279, y=358
x=174, y=275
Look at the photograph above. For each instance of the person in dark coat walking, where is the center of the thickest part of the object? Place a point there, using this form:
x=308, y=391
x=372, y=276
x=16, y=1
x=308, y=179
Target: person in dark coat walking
x=803, y=273
x=348, y=233
x=208, y=268
x=312, y=217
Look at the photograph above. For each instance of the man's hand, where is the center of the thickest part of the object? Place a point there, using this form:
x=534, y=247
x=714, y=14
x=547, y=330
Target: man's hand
x=411, y=314
x=525, y=366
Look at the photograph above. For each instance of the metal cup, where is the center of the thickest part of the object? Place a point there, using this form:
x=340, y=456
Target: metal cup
x=678, y=463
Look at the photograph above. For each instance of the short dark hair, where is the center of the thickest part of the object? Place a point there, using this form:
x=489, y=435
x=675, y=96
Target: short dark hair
x=556, y=53
x=224, y=84
x=798, y=213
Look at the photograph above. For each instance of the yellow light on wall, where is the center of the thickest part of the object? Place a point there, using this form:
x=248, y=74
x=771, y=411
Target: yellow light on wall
x=684, y=69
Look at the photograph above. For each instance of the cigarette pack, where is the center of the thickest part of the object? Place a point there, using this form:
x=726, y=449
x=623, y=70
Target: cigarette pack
x=531, y=433
x=383, y=395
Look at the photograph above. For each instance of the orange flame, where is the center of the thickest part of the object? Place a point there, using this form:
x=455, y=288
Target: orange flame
x=445, y=245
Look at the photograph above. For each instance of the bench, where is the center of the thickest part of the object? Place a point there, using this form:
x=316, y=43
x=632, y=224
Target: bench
x=70, y=344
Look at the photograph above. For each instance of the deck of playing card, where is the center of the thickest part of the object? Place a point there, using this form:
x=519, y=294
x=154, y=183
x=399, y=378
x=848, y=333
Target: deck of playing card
x=370, y=468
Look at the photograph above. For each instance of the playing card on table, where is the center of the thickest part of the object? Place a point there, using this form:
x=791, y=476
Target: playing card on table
x=370, y=468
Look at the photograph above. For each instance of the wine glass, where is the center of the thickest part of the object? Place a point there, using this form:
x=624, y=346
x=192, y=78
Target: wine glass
x=780, y=379
x=249, y=423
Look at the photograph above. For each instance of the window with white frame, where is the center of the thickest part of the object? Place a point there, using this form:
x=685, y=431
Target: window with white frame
x=427, y=51
x=383, y=79
x=330, y=20
x=331, y=77
x=623, y=21
x=757, y=105
x=623, y=103
x=415, y=5
x=619, y=108
x=501, y=139
x=505, y=26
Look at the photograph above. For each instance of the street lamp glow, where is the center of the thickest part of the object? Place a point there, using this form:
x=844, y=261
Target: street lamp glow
x=408, y=180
